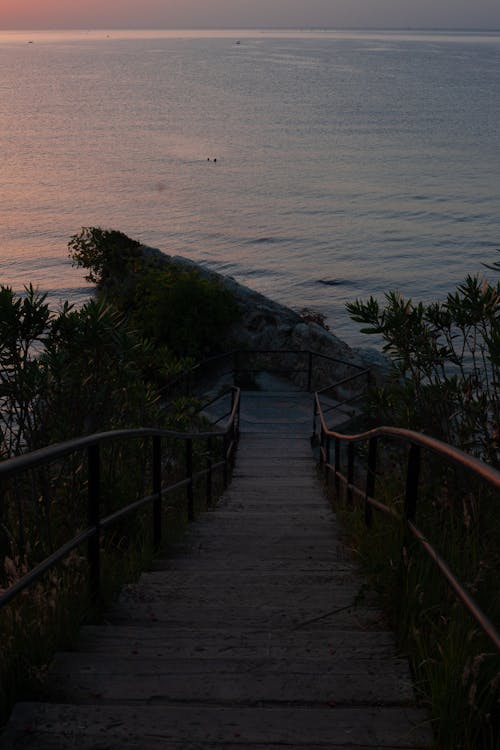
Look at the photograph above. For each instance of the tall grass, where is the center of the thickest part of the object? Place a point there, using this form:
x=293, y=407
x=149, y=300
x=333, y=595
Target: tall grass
x=455, y=666
x=48, y=615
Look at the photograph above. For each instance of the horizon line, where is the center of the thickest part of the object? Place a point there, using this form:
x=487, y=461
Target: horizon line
x=480, y=29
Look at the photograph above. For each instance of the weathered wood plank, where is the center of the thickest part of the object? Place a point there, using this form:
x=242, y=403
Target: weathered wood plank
x=328, y=727
x=272, y=644
x=242, y=617
x=138, y=678
x=140, y=663
x=257, y=632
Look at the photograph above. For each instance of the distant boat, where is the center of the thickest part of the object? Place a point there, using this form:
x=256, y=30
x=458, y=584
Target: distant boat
x=237, y=42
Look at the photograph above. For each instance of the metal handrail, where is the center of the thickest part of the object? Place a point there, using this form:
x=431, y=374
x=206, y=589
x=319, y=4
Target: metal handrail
x=416, y=441
x=235, y=356
x=363, y=372
x=229, y=435
x=92, y=443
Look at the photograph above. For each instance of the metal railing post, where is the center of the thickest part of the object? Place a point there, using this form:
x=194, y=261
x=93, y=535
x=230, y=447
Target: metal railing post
x=238, y=413
x=209, y=474
x=337, y=466
x=189, y=475
x=370, y=479
x=94, y=519
x=157, y=525
x=233, y=446
x=412, y=477
x=309, y=371
x=350, y=471
x=225, y=471
x=236, y=367
x=315, y=413
x=327, y=460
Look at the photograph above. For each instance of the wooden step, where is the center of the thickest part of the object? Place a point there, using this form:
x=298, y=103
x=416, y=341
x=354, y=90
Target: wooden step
x=257, y=632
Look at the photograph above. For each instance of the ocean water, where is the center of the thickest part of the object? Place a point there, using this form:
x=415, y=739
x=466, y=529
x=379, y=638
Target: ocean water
x=347, y=163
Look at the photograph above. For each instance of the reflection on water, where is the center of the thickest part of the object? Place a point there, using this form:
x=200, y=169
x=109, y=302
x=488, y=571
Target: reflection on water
x=347, y=162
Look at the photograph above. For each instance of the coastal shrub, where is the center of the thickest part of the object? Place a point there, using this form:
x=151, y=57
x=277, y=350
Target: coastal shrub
x=167, y=304
x=455, y=666
x=24, y=323
x=95, y=368
x=63, y=375
x=446, y=364
x=68, y=373
x=445, y=381
x=183, y=310
x=107, y=254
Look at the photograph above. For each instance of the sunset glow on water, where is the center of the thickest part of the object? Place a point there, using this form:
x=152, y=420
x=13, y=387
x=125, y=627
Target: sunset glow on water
x=348, y=163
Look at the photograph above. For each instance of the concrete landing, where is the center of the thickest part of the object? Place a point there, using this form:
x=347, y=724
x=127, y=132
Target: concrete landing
x=257, y=633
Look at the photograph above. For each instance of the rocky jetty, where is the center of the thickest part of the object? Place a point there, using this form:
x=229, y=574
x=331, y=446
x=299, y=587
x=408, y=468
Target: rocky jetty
x=265, y=324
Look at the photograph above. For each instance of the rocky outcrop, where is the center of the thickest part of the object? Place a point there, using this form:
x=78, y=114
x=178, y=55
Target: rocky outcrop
x=265, y=325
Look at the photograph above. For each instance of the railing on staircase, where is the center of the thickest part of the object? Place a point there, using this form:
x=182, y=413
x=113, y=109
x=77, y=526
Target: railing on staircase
x=219, y=451
x=305, y=367
x=313, y=371
x=309, y=370
x=330, y=443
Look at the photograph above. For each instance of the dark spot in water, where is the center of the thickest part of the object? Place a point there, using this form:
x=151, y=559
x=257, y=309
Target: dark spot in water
x=289, y=241
x=330, y=282
x=259, y=240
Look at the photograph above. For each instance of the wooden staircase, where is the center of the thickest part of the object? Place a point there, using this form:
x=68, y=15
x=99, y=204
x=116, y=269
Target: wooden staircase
x=257, y=633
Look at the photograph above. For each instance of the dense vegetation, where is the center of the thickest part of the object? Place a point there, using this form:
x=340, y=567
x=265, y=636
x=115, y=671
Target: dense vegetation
x=170, y=305
x=73, y=372
x=445, y=381
x=446, y=365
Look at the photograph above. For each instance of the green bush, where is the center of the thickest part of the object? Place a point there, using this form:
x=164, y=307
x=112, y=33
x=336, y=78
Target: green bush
x=167, y=304
x=85, y=363
x=181, y=309
x=24, y=324
x=63, y=375
x=445, y=381
x=106, y=253
x=446, y=364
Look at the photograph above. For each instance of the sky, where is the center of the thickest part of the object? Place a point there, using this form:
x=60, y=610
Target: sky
x=164, y=14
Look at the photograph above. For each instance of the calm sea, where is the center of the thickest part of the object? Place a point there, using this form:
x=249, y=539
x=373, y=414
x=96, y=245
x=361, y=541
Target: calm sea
x=347, y=164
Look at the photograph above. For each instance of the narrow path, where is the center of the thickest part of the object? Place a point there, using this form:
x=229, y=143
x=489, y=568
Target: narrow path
x=256, y=634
